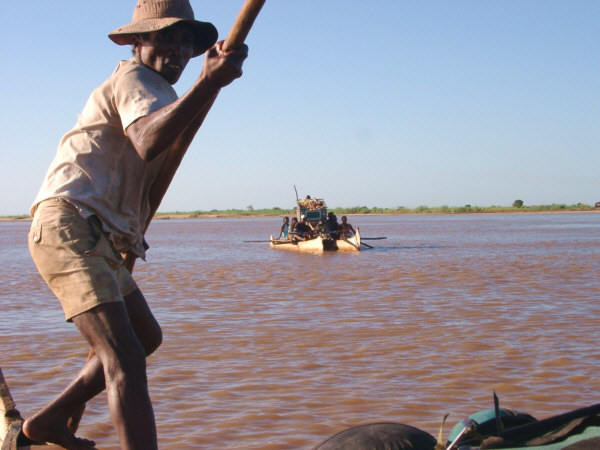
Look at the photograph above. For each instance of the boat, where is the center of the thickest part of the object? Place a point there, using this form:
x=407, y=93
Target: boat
x=314, y=210
x=320, y=243
x=11, y=424
x=493, y=428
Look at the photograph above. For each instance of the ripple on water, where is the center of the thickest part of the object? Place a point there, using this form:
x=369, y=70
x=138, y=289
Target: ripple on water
x=268, y=349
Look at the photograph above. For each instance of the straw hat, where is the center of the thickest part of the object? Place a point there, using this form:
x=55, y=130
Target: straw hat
x=154, y=15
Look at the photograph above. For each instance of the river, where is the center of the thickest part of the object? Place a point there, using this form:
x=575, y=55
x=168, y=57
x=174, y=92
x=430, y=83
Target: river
x=272, y=349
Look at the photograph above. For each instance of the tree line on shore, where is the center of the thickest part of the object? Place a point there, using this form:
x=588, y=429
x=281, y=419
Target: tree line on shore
x=517, y=207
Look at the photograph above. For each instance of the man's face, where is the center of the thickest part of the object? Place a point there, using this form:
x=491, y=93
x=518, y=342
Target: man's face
x=167, y=51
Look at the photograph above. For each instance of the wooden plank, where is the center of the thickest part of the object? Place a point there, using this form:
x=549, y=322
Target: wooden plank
x=14, y=436
x=11, y=422
x=9, y=414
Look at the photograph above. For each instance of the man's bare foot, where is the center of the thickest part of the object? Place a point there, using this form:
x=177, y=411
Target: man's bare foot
x=54, y=431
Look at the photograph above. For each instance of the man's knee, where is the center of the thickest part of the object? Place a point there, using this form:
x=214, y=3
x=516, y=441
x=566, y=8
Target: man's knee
x=149, y=335
x=152, y=341
x=108, y=330
x=144, y=324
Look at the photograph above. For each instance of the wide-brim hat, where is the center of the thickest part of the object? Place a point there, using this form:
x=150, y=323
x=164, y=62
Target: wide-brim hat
x=154, y=15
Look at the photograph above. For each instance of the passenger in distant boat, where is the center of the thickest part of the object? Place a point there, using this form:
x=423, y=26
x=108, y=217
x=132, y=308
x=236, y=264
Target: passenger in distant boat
x=318, y=228
x=292, y=230
x=303, y=230
x=305, y=202
x=285, y=228
x=333, y=227
x=346, y=230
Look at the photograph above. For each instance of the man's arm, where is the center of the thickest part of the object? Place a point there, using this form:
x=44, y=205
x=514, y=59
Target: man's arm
x=175, y=125
x=173, y=158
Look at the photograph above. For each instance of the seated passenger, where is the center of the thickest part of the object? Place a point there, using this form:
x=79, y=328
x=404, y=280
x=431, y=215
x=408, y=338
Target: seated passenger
x=303, y=230
x=332, y=225
x=292, y=230
x=346, y=230
x=285, y=228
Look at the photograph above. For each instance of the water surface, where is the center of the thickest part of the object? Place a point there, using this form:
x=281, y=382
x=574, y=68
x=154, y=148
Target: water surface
x=271, y=349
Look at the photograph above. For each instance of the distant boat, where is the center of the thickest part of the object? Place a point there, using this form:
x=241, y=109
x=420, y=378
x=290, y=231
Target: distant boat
x=319, y=244
x=323, y=236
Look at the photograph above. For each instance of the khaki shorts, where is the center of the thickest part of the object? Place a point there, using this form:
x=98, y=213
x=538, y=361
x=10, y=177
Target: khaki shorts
x=76, y=258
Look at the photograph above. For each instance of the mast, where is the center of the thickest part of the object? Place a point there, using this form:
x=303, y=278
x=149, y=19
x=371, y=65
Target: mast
x=297, y=204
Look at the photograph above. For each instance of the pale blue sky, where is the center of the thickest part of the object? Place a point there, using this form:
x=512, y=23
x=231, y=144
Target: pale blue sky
x=375, y=102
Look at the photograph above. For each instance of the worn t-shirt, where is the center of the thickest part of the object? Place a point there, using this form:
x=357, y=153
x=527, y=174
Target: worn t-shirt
x=96, y=167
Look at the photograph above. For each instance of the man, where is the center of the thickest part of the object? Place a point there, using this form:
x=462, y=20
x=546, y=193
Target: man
x=98, y=196
x=303, y=229
x=346, y=230
x=285, y=228
x=332, y=225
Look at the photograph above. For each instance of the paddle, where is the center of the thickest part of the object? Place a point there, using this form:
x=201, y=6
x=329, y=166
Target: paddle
x=372, y=239
x=366, y=245
x=236, y=37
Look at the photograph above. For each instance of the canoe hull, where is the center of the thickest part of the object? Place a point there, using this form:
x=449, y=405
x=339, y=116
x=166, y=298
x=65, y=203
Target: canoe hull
x=319, y=244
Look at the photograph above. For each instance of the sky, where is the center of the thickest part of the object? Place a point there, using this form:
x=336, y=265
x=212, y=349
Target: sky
x=377, y=103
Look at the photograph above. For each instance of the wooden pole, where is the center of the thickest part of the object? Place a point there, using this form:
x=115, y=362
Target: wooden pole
x=236, y=37
x=8, y=411
x=243, y=22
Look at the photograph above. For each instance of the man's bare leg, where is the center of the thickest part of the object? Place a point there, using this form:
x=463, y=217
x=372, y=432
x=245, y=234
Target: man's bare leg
x=50, y=424
x=110, y=334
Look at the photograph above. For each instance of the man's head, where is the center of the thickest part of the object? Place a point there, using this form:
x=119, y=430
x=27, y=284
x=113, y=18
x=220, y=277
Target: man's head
x=165, y=51
x=166, y=23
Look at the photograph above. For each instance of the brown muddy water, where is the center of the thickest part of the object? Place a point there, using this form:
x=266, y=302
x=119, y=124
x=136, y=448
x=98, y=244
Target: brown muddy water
x=270, y=349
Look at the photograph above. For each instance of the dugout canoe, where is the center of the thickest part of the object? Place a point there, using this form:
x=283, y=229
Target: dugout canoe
x=319, y=244
x=11, y=423
x=503, y=428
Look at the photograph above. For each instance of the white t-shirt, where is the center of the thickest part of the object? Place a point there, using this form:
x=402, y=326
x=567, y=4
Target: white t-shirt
x=96, y=167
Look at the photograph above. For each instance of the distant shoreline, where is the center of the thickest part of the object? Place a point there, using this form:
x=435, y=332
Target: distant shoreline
x=168, y=216
x=432, y=212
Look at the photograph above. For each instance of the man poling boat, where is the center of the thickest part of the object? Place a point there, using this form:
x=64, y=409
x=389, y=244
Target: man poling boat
x=100, y=193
